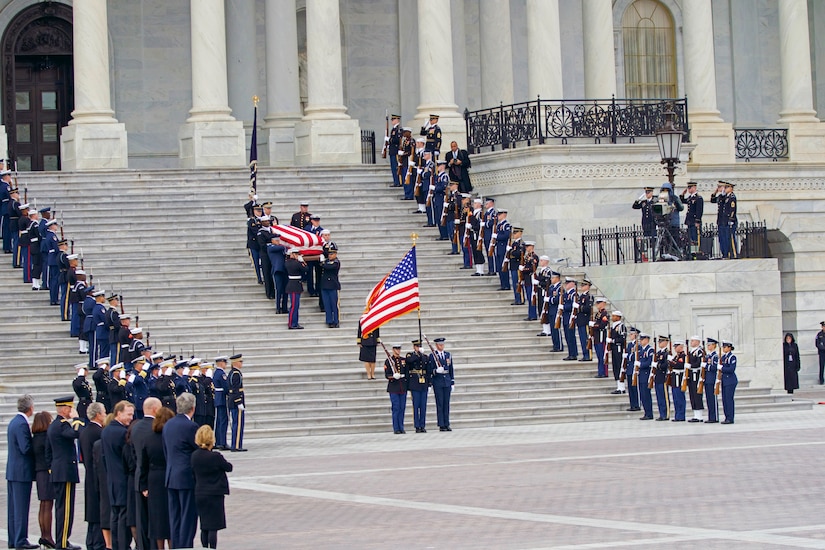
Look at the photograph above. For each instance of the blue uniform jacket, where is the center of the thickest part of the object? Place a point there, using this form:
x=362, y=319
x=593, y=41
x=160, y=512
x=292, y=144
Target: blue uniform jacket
x=728, y=365
x=219, y=380
x=712, y=362
x=235, y=393
x=645, y=356
x=20, y=454
x=442, y=380
x=277, y=257
x=87, y=308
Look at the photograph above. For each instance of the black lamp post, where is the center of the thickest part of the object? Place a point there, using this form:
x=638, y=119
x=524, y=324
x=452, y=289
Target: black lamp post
x=669, y=140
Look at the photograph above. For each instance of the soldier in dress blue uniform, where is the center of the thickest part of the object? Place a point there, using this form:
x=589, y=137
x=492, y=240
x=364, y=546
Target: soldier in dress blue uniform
x=601, y=330
x=433, y=133
x=660, y=361
x=568, y=299
x=117, y=385
x=101, y=379
x=68, y=265
x=112, y=325
x=264, y=237
x=418, y=381
x=61, y=456
x=417, y=177
x=14, y=223
x=82, y=390
x=695, y=208
x=395, y=371
x=313, y=276
x=330, y=285
x=252, y=228
x=696, y=361
x=451, y=210
x=165, y=386
x=327, y=244
x=137, y=387
x=629, y=358
x=99, y=313
x=618, y=337
x=393, y=143
x=221, y=384
x=97, y=330
x=277, y=259
x=726, y=219
x=442, y=182
x=5, y=203
x=301, y=219
x=712, y=363
x=236, y=402
x=403, y=156
x=512, y=262
x=57, y=274
x=428, y=187
x=530, y=262
x=48, y=250
x=76, y=297
x=443, y=381
x=583, y=317
x=501, y=238
x=820, y=349
x=643, y=363
x=676, y=362
x=490, y=221
x=727, y=364
x=22, y=248
x=645, y=204
x=295, y=270
x=476, y=240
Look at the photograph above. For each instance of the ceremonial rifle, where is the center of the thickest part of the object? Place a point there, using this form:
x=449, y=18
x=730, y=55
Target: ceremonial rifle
x=520, y=284
x=419, y=170
x=506, y=263
x=71, y=246
x=435, y=355
x=62, y=236
x=149, y=343
x=717, y=389
x=559, y=310
x=386, y=134
x=492, y=250
x=389, y=356
x=669, y=376
x=635, y=381
x=120, y=300
x=686, y=374
x=444, y=208
x=468, y=244
x=704, y=364
x=482, y=222
x=574, y=312
x=651, y=380
x=623, y=370
x=546, y=303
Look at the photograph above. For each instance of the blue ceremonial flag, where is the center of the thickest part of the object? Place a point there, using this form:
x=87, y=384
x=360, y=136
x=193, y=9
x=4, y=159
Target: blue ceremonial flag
x=395, y=295
x=253, y=151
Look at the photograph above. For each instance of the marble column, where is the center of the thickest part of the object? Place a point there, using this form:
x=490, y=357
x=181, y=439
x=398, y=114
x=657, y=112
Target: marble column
x=211, y=137
x=806, y=135
x=496, y=53
x=94, y=139
x=435, y=70
x=327, y=134
x=544, y=75
x=241, y=59
x=599, y=58
x=283, y=101
x=714, y=138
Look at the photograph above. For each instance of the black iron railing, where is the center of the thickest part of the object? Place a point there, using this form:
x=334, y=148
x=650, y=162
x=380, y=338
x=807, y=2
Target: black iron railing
x=620, y=245
x=761, y=143
x=535, y=122
x=367, y=147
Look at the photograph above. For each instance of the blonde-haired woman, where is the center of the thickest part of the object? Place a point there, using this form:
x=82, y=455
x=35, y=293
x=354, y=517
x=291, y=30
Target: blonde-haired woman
x=211, y=485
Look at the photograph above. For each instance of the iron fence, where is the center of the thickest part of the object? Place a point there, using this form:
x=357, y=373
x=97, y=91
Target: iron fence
x=367, y=147
x=535, y=122
x=630, y=244
x=761, y=143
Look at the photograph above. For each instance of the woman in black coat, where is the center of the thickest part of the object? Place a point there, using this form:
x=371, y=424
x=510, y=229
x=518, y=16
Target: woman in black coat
x=211, y=485
x=152, y=481
x=790, y=356
x=45, y=489
x=367, y=349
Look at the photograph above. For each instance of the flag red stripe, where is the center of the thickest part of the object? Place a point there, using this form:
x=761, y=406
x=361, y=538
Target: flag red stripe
x=396, y=302
x=298, y=237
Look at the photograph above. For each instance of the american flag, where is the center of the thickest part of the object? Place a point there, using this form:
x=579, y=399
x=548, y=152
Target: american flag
x=394, y=296
x=309, y=243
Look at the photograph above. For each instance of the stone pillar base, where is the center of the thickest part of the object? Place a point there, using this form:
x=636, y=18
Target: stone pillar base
x=220, y=144
x=327, y=142
x=452, y=126
x=281, y=146
x=806, y=141
x=93, y=146
x=715, y=143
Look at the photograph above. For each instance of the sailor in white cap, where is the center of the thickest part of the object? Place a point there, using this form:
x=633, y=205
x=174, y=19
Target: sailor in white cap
x=296, y=270
x=727, y=364
x=696, y=364
x=676, y=363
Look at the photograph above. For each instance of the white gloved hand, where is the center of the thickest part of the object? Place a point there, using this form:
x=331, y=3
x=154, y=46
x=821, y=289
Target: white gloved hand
x=440, y=370
x=397, y=375
x=122, y=375
x=241, y=407
x=411, y=163
x=534, y=281
x=255, y=197
x=508, y=249
x=209, y=373
x=186, y=371
x=561, y=306
x=642, y=197
x=521, y=268
x=131, y=378
x=575, y=305
x=591, y=324
x=637, y=363
x=609, y=340
x=493, y=236
x=547, y=299
x=437, y=153
x=386, y=139
x=420, y=171
x=468, y=225
x=670, y=357
x=703, y=365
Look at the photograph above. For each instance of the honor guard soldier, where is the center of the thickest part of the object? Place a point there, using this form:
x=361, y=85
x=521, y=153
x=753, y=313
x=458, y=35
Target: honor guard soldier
x=330, y=285
x=313, y=277
x=120, y=349
x=20, y=229
x=529, y=263
x=629, y=359
x=439, y=204
x=207, y=393
x=61, y=267
x=14, y=223
x=181, y=378
x=731, y=250
x=393, y=143
x=395, y=371
x=645, y=204
x=267, y=211
x=695, y=208
x=696, y=364
x=451, y=212
x=476, y=238
x=165, y=386
x=676, y=368
x=490, y=221
x=512, y=261
x=820, y=349
x=301, y=219
x=250, y=205
x=462, y=234
x=542, y=298
x=67, y=280
x=82, y=390
x=264, y=239
x=296, y=268
x=76, y=297
x=276, y=252
x=661, y=377
x=221, y=385
x=61, y=457
x=137, y=387
x=601, y=338
x=617, y=338
x=34, y=274
x=97, y=330
x=117, y=385
x=326, y=244
x=407, y=164
x=721, y=198
x=569, y=298
x=111, y=321
x=428, y=168
x=712, y=363
x=236, y=402
x=49, y=248
x=501, y=239
x=727, y=365
x=583, y=317
x=5, y=203
x=433, y=133
x=556, y=294
x=443, y=381
x=642, y=364
x=252, y=228
x=101, y=379
x=418, y=381
x=419, y=191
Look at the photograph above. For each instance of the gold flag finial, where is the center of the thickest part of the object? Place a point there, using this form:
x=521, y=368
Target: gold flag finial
x=255, y=100
x=414, y=237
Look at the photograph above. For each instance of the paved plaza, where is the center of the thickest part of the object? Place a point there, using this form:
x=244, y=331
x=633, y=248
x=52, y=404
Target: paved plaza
x=755, y=484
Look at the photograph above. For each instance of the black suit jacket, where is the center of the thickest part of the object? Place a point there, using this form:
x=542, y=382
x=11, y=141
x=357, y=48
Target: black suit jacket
x=178, y=446
x=88, y=435
x=210, y=469
x=141, y=432
x=113, y=439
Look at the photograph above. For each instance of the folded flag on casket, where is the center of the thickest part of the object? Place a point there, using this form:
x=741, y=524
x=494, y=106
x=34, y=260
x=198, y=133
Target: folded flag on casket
x=395, y=295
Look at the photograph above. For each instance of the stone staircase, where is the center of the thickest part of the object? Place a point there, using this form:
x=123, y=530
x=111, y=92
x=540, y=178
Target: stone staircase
x=172, y=242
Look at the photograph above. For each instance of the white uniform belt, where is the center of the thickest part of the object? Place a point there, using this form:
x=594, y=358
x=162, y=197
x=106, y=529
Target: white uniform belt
x=295, y=278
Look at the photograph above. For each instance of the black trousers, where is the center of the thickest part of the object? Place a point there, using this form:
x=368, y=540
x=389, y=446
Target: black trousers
x=94, y=537
x=63, y=512
x=821, y=366
x=121, y=534
x=142, y=520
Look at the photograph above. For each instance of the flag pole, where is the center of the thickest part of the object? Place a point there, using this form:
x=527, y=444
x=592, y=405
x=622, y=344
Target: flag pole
x=253, y=150
x=414, y=237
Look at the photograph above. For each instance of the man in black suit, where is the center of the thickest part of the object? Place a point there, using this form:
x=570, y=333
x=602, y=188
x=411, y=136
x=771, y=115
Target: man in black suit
x=458, y=161
x=19, y=474
x=96, y=413
x=141, y=432
x=113, y=440
x=61, y=455
x=178, y=446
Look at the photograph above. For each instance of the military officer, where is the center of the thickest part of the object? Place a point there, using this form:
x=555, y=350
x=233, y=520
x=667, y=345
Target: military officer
x=393, y=143
x=583, y=317
x=722, y=197
x=451, y=213
x=330, y=285
x=252, y=228
x=568, y=299
x=22, y=226
x=712, y=363
x=82, y=390
x=696, y=363
x=101, y=379
x=462, y=235
x=443, y=382
x=442, y=182
x=14, y=223
x=820, y=349
x=165, y=386
x=428, y=174
x=264, y=238
x=236, y=402
x=433, y=133
x=629, y=359
x=476, y=238
x=419, y=185
x=137, y=388
x=541, y=288
x=301, y=219
x=117, y=385
x=405, y=150
x=645, y=204
x=49, y=247
x=221, y=385
x=112, y=324
x=642, y=363
x=395, y=371
x=616, y=344
x=529, y=263
x=97, y=330
x=676, y=367
x=296, y=268
x=600, y=330
x=418, y=381
x=660, y=378
x=61, y=457
x=68, y=267
x=695, y=208
x=512, y=261
x=727, y=364
x=490, y=220
x=5, y=203
x=276, y=251
x=731, y=223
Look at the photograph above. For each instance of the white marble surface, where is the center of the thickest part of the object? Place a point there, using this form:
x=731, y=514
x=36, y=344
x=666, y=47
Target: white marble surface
x=599, y=59
x=210, y=93
x=325, y=86
x=93, y=146
x=435, y=66
x=92, y=99
x=496, y=52
x=283, y=105
x=212, y=144
x=241, y=61
x=795, y=62
x=700, y=83
x=544, y=68
x=320, y=142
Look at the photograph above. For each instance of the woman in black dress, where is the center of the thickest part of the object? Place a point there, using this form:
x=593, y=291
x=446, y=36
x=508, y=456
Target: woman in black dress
x=790, y=356
x=129, y=466
x=367, y=346
x=45, y=489
x=152, y=481
x=211, y=485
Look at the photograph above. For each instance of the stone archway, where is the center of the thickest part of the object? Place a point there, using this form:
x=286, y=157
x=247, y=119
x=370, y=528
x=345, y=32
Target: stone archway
x=37, y=84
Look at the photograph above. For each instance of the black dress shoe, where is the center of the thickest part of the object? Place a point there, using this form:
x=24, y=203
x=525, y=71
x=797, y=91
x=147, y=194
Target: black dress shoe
x=491, y=274
x=570, y=358
x=711, y=422
x=529, y=319
x=694, y=420
x=585, y=360
x=442, y=239
x=727, y=422
x=542, y=334
x=453, y=254
x=45, y=543
x=297, y=327
x=403, y=431
x=633, y=409
x=29, y=546
x=396, y=432
x=616, y=392
x=449, y=429
x=476, y=275
x=423, y=430
x=661, y=419
x=238, y=450
x=466, y=267
x=646, y=418
x=678, y=420
x=600, y=376
x=442, y=429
